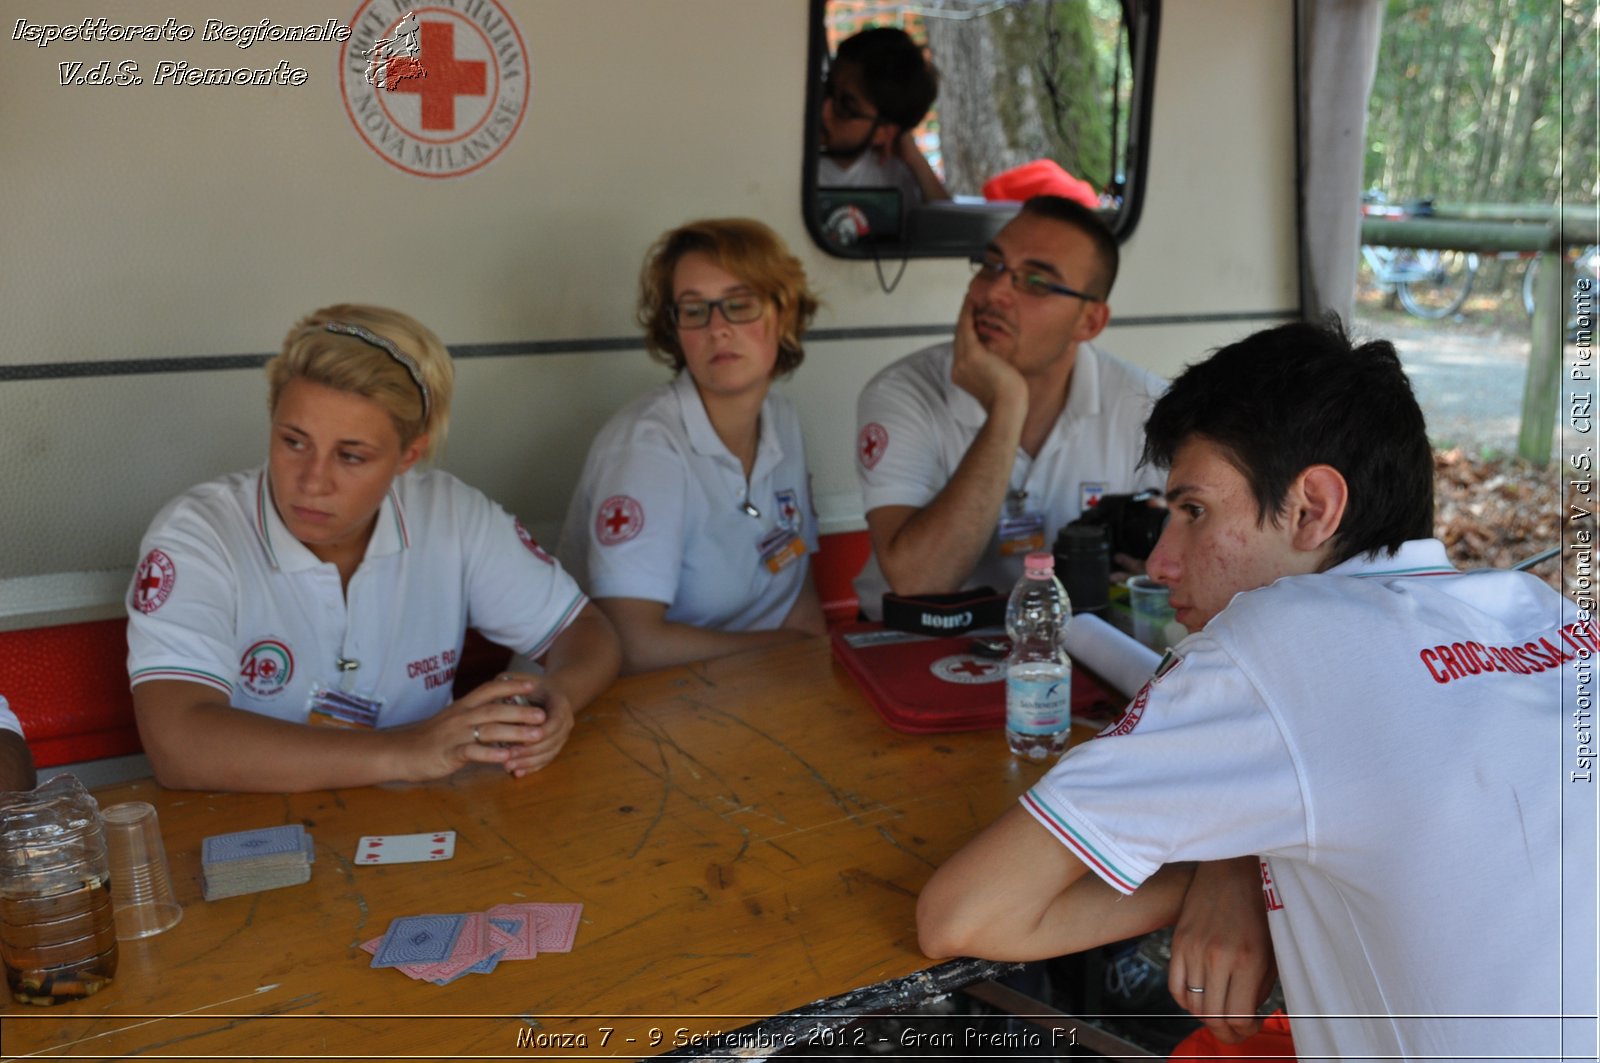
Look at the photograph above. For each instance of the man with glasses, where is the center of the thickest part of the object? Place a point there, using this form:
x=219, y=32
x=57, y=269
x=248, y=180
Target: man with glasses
x=879, y=89
x=973, y=453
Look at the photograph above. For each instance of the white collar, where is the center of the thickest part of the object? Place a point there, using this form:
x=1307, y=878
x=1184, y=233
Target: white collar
x=288, y=554
x=1418, y=557
x=703, y=437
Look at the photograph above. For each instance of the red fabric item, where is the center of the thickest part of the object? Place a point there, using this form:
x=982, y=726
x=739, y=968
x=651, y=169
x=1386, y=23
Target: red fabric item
x=1041, y=177
x=923, y=685
x=1273, y=1042
x=69, y=686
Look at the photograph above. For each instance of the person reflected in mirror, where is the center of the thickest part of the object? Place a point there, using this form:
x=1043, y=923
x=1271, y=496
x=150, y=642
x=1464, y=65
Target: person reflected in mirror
x=879, y=88
x=16, y=759
x=692, y=523
x=297, y=626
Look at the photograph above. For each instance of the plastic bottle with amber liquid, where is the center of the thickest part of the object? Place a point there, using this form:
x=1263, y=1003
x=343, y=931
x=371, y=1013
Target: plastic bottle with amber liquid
x=1038, y=671
x=57, y=935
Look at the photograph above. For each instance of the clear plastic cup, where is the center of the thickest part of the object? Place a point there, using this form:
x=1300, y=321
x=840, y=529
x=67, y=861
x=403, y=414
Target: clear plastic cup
x=1154, y=622
x=141, y=885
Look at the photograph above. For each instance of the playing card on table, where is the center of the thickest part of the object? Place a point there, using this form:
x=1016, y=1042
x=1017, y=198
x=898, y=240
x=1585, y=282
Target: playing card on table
x=499, y=941
x=558, y=926
x=417, y=939
x=470, y=948
x=254, y=844
x=406, y=848
x=521, y=926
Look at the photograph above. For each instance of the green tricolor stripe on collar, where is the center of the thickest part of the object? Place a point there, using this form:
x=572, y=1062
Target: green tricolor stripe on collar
x=262, y=501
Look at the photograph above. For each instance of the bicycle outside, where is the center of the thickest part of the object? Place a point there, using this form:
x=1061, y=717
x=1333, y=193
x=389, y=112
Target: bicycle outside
x=1429, y=284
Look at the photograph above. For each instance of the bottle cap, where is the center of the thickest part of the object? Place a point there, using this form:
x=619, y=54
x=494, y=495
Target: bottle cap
x=1039, y=566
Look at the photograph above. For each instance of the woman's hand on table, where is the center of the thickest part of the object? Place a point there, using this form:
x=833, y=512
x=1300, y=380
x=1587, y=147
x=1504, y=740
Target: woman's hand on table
x=485, y=726
x=553, y=726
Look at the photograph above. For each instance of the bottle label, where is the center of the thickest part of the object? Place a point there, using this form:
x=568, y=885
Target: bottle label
x=1039, y=706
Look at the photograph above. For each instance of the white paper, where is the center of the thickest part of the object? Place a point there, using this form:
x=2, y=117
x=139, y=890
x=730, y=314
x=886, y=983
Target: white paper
x=1121, y=660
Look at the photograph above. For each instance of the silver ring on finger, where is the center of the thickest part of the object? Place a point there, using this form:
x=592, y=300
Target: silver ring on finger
x=1195, y=988
x=476, y=739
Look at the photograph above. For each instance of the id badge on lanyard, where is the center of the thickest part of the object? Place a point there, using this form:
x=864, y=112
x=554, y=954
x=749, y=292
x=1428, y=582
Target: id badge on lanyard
x=342, y=706
x=779, y=547
x=1021, y=529
x=330, y=707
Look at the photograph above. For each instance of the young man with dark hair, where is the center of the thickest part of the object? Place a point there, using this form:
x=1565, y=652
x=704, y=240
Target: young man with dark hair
x=1384, y=732
x=879, y=89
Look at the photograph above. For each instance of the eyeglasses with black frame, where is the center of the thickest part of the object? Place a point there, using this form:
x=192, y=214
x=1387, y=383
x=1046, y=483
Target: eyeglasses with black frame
x=992, y=267
x=845, y=106
x=739, y=309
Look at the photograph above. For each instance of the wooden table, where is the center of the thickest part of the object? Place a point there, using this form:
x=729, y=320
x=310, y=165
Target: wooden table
x=745, y=835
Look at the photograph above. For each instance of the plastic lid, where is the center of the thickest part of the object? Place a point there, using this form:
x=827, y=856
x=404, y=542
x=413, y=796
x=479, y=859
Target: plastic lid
x=1039, y=566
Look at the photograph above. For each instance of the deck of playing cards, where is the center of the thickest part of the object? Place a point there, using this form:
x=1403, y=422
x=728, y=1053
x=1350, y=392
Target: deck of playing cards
x=442, y=948
x=250, y=861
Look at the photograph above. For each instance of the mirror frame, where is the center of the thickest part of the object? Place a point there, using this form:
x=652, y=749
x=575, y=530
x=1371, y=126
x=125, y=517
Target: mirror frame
x=1143, y=21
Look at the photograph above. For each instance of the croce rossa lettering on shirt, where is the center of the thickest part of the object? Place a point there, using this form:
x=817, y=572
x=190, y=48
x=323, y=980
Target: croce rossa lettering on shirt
x=434, y=671
x=1466, y=660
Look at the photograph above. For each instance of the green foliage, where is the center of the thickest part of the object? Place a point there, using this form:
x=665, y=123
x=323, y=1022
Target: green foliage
x=1485, y=101
x=1052, y=87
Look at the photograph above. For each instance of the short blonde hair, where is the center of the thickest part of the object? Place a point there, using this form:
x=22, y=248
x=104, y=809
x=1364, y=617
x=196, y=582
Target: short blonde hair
x=745, y=248
x=348, y=363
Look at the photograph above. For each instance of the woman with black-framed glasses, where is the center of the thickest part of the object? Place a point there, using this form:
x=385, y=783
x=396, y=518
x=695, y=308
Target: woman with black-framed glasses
x=692, y=522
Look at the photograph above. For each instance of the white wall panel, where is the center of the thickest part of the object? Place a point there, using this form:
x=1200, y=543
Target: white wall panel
x=150, y=222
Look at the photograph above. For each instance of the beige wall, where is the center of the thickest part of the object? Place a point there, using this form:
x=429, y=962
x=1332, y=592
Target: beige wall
x=179, y=221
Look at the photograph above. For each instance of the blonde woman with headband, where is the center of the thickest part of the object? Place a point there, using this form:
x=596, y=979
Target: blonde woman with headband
x=297, y=626
x=692, y=521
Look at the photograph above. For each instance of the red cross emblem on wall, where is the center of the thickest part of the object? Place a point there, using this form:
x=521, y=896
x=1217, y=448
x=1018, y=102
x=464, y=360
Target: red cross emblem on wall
x=442, y=78
x=618, y=519
x=439, y=91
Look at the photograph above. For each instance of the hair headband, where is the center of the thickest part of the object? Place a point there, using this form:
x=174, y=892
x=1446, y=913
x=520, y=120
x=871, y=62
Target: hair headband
x=387, y=347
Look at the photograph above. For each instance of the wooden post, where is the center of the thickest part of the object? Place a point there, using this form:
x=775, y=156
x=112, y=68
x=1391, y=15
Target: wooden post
x=1542, y=390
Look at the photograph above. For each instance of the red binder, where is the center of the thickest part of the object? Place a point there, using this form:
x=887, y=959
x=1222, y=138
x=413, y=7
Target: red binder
x=923, y=684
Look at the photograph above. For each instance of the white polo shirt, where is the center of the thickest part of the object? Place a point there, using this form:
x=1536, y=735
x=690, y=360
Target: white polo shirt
x=914, y=425
x=868, y=171
x=8, y=719
x=226, y=596
x=1395, y=740
x=659, y=513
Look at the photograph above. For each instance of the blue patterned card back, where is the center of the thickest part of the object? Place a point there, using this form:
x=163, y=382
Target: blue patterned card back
x=418, y=939
x=250, y=844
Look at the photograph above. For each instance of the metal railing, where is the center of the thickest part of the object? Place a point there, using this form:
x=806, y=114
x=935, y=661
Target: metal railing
x=1547, y=230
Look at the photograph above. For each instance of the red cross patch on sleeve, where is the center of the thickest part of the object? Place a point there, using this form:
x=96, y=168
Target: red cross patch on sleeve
x=533, y=544
x=618, y=519
x=153, y=581
x=874, y=440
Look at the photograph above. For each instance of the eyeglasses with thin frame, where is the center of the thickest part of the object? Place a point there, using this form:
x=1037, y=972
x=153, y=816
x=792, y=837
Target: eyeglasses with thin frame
x=845, y=106
x=693, y=313
x=993, y=267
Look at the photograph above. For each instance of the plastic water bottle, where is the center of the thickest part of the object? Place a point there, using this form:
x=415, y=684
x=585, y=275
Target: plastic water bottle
x=1038, y=672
